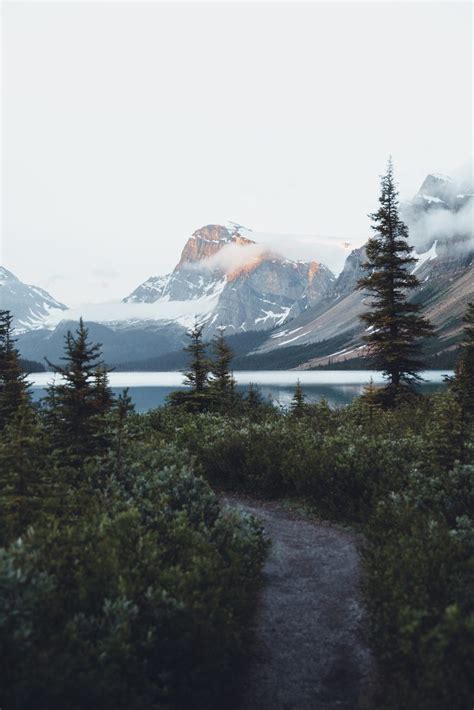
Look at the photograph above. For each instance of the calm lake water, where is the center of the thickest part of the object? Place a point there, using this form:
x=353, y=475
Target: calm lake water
x=149, y=389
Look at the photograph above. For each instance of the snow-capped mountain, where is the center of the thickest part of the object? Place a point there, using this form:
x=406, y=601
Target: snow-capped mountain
x=225, y=278
x=30, y=305
x=229, y=280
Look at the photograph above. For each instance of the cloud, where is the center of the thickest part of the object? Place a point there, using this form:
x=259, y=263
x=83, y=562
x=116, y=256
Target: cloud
x=444, y=224
x=234, y=256
x=330, y=251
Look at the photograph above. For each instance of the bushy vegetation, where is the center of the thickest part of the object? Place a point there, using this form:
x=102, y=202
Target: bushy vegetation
x=123, y=582
x=396, y=473
x=405, y=475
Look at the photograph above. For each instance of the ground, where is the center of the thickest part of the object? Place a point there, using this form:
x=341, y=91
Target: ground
x=309, y=651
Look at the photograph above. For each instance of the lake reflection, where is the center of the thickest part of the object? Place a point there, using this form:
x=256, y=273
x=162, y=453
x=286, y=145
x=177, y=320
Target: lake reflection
x=149, y=389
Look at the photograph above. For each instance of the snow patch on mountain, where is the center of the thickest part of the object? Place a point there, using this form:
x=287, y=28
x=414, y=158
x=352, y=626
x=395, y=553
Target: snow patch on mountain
x=132, y=313
x=427, y=256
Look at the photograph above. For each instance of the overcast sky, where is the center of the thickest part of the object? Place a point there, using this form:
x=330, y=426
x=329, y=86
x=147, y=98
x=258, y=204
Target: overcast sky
x=126, y=126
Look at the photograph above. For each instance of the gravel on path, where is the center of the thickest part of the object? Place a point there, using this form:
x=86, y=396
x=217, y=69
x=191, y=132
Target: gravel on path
x=309, y=652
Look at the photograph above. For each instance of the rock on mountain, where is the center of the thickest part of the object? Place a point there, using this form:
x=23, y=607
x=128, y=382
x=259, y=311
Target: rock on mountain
x=30, y=305
x=245, y=285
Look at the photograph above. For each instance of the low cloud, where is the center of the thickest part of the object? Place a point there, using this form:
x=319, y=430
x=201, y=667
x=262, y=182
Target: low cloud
x=444, y=224
x=234, y=256
x=330, y=251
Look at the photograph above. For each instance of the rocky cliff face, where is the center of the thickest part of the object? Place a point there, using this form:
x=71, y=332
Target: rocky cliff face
x=253, y=288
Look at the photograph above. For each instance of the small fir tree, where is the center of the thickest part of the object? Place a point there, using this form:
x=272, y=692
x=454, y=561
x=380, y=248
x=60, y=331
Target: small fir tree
x=298, y=403
x=197, y=396
x=462, y=384
x=396, y=325
x=123, y=409
x=370, y=401
x=78, y=403
x=28, y=490
x=222, y=383
x=14, y=389
x=197, y=374
x=445, y=446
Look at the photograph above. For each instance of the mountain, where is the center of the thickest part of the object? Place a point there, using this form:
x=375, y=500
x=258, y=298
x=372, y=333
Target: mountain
x=30, y=305
x=237, y=283
x=223, y=278
x=279, y=312
x=440, y=221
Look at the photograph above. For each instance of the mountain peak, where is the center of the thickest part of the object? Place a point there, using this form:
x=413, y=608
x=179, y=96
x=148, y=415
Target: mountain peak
x=6, y=276
x=210, y=239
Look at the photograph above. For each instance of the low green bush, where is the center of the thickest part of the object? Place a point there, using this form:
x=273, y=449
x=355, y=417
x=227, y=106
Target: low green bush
x=141, y=602
x=419, y=588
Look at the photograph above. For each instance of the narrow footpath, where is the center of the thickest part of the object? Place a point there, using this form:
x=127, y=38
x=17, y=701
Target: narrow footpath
x=309, y=652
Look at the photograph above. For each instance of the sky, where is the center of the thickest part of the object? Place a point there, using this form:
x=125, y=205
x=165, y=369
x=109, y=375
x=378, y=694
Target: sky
x=126, y=126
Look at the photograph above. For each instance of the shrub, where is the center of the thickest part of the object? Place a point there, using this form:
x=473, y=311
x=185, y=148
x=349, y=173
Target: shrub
x=142, y=602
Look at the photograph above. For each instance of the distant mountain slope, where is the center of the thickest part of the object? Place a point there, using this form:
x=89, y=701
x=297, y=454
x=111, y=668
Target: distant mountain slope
x=30, y=305
x=120, y=345
x=440, y=222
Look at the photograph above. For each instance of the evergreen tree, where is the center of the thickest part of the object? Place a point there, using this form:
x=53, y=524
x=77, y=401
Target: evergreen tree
x=14, y=389
x=197, y=374
x=396, y=325
x=254, y=398
x=462, y=384
x=123, y=409
x=78, y=404
x=298, y=403
x=445, y=445
x=196, y=377
x=27, y=488
x=222, y=383
x=370, y=401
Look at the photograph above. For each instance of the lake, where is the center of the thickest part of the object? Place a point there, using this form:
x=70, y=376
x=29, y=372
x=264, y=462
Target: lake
x=149, y=389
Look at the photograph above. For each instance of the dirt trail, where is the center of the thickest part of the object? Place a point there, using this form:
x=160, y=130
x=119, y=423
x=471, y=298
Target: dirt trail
x=308, y=652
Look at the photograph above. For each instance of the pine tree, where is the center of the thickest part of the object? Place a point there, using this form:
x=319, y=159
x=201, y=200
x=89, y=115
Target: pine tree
x=14, y=389
x=78, y=404
x=396, y=326
x=123, y=409
x=197, y=374
x=370, y=401
x=446, y=433
x=222, y=383
x=28, y=490
x=196, y=377
x=462, y=384
x=298, y=403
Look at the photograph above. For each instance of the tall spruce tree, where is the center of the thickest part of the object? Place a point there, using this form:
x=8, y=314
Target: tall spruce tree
x=396, y=325
x=78, y=404
x=14, y=389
